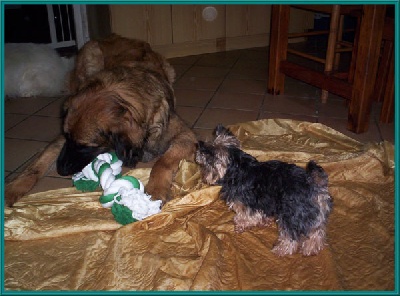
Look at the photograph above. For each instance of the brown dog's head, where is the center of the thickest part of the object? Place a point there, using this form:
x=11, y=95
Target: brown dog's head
x=122, y=102
x=99, y=122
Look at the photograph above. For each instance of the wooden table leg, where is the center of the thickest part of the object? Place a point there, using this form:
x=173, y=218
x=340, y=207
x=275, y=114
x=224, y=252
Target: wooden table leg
x=278, y=47
x=369, y=45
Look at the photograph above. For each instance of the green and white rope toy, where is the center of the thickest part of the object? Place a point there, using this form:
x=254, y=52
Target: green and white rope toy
x=123, y=194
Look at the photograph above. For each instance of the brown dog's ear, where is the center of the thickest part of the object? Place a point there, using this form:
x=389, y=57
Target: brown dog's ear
x=65, y=107
x=224, y=137
x=89, y=61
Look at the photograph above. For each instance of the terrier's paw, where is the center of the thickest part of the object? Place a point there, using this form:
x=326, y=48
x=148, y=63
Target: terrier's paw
x=239, y=228
x=285, y=247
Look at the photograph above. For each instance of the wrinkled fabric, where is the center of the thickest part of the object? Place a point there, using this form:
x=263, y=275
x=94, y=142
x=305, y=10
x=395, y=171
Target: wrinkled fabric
x=65, y=240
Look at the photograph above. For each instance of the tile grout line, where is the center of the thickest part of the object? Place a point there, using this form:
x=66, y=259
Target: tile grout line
x=30, y=115
x=15, y=171
x=216, y=91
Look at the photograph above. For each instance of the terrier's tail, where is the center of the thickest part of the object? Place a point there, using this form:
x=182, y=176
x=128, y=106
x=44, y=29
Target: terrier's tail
x=317, y=173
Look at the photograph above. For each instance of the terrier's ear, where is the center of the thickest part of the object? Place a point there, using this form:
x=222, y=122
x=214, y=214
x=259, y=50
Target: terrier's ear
x=220, y=130
x=225, y=137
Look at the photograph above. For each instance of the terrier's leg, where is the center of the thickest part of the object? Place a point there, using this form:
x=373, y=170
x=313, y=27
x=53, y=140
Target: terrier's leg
x=245, y=218
x=285, y=245
x=314, y=243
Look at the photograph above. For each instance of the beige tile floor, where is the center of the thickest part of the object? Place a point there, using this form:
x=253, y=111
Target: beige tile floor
x=225, y=88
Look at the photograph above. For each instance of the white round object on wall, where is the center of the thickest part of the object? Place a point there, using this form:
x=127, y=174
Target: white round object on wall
x=209, y=13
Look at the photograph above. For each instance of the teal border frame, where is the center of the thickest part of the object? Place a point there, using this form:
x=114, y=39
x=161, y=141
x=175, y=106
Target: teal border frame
x=216, y=2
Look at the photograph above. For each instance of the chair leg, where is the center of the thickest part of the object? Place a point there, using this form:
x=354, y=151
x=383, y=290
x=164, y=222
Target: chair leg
x=330, y=52
x=352, y=68
x=387, y=111
x=383, y=70
x=278, y=47
x=339, y=38
x=371, y=29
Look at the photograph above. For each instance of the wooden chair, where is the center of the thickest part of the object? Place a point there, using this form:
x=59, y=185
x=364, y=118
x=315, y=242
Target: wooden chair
x=359, y=85
x=335, y=44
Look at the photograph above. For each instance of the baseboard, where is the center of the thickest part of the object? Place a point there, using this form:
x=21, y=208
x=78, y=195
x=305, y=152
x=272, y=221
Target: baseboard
x=212, y=45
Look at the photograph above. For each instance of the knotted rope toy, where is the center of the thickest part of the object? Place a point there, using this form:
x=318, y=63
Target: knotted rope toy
x=123, y=194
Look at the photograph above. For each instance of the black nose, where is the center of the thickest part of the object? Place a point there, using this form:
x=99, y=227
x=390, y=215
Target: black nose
x=73, y=158
x=199, y=145
x=68, y=162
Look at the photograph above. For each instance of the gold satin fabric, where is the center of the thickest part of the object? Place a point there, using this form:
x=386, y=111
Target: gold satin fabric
x=65, y=240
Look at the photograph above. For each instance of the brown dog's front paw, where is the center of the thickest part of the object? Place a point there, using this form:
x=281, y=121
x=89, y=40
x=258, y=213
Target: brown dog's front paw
x=12, y=194
x=158, y=193
x=10, y=199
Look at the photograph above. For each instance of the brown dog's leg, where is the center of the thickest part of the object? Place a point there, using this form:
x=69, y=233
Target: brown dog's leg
x=31, y=175
x=163, y=171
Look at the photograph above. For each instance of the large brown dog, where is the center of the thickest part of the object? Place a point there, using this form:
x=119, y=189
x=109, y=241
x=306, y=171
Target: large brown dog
x=122, y=100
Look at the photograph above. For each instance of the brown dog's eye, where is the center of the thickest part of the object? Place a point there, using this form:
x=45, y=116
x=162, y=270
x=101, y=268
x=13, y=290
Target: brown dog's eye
x=92, y=145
